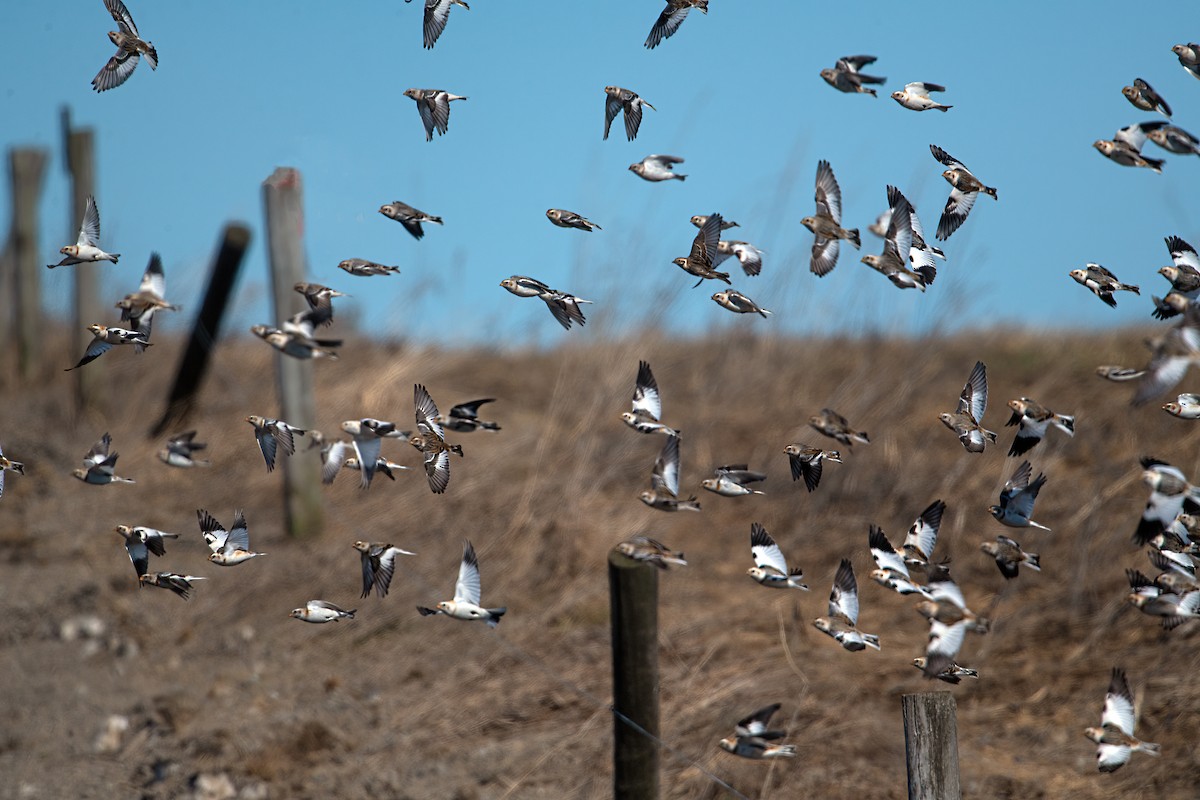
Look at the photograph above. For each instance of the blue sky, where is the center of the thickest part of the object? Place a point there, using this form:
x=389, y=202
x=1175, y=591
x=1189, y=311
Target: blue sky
x=245, y=87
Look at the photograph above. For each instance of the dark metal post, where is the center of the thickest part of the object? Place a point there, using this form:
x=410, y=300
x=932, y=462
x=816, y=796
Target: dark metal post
x=283, y=198
x=194, y=364
x=633, y=603
x=931, y=746
x=27, y=167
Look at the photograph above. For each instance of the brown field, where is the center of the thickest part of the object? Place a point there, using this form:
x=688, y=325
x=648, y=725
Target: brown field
x=226, y=689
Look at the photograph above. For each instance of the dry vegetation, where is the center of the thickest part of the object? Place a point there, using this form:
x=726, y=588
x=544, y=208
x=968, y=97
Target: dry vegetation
x=395, y=705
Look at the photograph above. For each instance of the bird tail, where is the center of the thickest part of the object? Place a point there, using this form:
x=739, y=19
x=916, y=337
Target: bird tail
x=991, y=435
x=927, y=273
x=834, y=455
x=871, y=640
x=1032, y=561
x=691, y=504
x=722, y=276
x=494, y=615
x=855, y=239
x=681, y=177
x=1065, y=423
x=943, y=108
x=1129, y=287
x=869, y=91
x=988, y=190
x=435, y=220
x=455, y=448
x=117, y=256
x=1154, y=164
x=861, y=436
x=789, y=750
x=765, y=313
x=1149, y=748
x=17, y=467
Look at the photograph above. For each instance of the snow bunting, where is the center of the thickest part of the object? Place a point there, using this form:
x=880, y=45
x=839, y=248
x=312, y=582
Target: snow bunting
x=949, y=620
x=1114, y=738
x=891, y=571
x=368, y=434
x=835, y=426
x=99, y=464
x=179, y=584
x=1189, y=57
x=1034, y=420
x=1143, y=96
x=699, y=261
x=179, y=449
x=700, y=219
x=1171, y=355
x=1117, y=373
x=228, y=547
x=1174, y=139
x=826, y=223
x=378, y=565
x=618, y=100
x=434, y=107
x=365, y=269
x=1101, y=283
x=87, y=246
x=845, y=75
x=894, y=261
x=130, y=48
x=749, y=256
x=652, y=551
x=104, y=337
x=966, y=189
x=1009, y=556
x=842, y=620
x=273, y=435
x=805, y=462
x=464, y=417
x=467, y=594
x=319, y=611
x=138, y=308
x=569, y=219
x=431, y=441
x=655, y=168
x=770, y=567
x=437, y=14
x=735, y=301
x=1017, y=498
x=563, y=306
x=1186, y=406
x=951, y=674
x=140, y=542
x=752, y=739
x=967, y=420
x=731, y=481
x=1125, y=148
x=320, y=301
x=409, y=217
x=671, y=18
x=647, y=404
x=1170, y=494
x=7, y=465
x=915, y=96
x=664, y=481
x=296, y=339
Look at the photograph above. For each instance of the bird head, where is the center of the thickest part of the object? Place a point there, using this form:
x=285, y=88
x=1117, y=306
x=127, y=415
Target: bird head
x=296, y=613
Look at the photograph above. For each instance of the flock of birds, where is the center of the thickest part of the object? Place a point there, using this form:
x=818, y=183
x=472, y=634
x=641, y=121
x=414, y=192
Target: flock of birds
x=1169, y=527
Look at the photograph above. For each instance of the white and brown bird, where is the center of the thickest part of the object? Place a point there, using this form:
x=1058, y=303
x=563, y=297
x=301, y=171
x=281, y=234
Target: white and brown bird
x=464, y=417
x=1174, y=139
x=569, y=219
x=409, y=217
x=437, y=15
x=915, y=96
x=430, y=440
x=699, y=262
x=1143, y=96
x=138, y=308
x=296, y=339
x=663, y=493
x=179, y=584
x=846, y=75
x=367, y=435
x=130, y=49
x=87, y=246
x=770, y=567
x=967, y=419
x=738, y=303
x=140, y=542
x=898, y=247
x=99, y=465
x=1125, y=148
x=656, y=168
x=231, y=547
x=365, y=269
x=671, y=18
x=749, y=256
x=826, y=223
x=274, y=435
x=733, y=481
x=1017, y=498
x=805, y=462
x=321, y=611
x=646, y=404
x=434, y=108
x=891, y=569
x=1010, y=557
x=466, y=604
x=1170, y=495
x=8, y=465
x=1034, y=420
x=378, y=565
x=1102, y=283
x=966, y=189
x=1114, y=738
x=752, y=738
x=1189, y=57
x=618, y=100
x=841, y=622
x=835, y=426
x=1171, y=355
x=949, y=620
x=105, y=337
x=320, y=301
x=651, y=551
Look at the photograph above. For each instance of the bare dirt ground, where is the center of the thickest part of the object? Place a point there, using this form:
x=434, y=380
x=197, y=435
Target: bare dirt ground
x=115, y=692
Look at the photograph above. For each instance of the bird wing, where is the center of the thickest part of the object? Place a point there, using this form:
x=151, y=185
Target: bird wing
x=612, y=107
x=973, y=399
x=212, y=531
x=367, y=448
x=441, y=111
x=885, y=555
x=663, y=161
x=332, y=460
x=1118, y=703
x=426, y=410
x=645, y=392
x=122, y=16
x=843, y=599
x=239, y=535
x=153, y=279
x=267, y=442
x=437, y=470
x=766, y=553
x=437, y=14
x=115, y=71
x=924, y=531
x=704, y=246
x=89, y=229
x=828, y=193
x=97, y=348
x=824, y=255
x=756, y=723
x=668, y=22
x=633, y=119
x=665, y=474
x=467, y=589
x=947, y=159
x=898, y=241
x=469, y=410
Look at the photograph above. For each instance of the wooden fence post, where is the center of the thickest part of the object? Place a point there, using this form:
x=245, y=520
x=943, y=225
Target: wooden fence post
x=931, y=746
x=283, y=205
x=633, y=605
x=80, y=147
x=27, y=167
x=207, y=327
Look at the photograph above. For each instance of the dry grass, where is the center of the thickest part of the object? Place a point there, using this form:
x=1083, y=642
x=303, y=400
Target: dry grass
x=392, y=704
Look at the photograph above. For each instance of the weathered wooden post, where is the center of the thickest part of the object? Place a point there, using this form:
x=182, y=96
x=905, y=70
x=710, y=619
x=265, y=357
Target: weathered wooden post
x=633, y=605
x=931, y=746
x=80, y=147
x=27, y=167
x=283, y=204
x=207, y=327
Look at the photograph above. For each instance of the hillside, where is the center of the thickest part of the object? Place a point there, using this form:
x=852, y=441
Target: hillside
x=225, y=687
